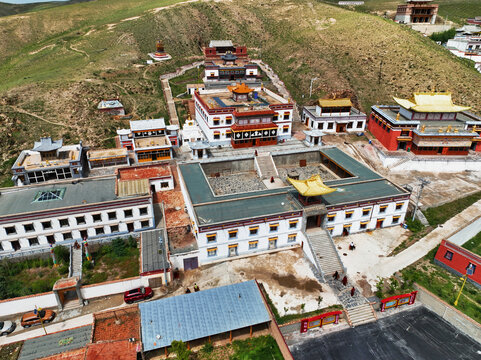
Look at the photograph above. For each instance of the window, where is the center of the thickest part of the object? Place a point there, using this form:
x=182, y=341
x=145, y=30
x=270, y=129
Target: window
x=253, y=244
x=211, y=237
x=331, y=217
x=80, y=220
x=33, y=241
x=273, y=227
x=366, y=212
x=330, y=126
x=363, y=225
x=349, y=125
x=285, y=129
x=67, y=236
x=448, y=255
x=47, y=225
x=145, y=224
x=228, y=120
x=293, y=224
x=232, y=250
x=64, y=222
x=212, y=252
x=164, y=185
x=99, y=230
x=272, y=243
x=228, y=134
x=97, y=217
x=399, y=206
x=10, y=230
x=216, y=121
x=275, y=117
x=112, y=215
x=253, y=230
x=470, y=269
x=349, y=214
x=291, y=237
x=382, y=209
x=359, y=124
x=28, y=227
x=395, y=219
x=232, y=234
x=128, y=213
x=216, y=136
x=143, y=211
x=331, y=230
x=114, y=229
x=286, y=116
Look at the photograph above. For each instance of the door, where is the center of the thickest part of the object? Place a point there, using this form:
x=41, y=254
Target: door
x=200, y=153
x=154, y=157
x=379, y=223
x=440, y=150
x=302, y=163
x=191, y=263
x=232, y=251
x=130, y=227
x=253, y=142
x=272, y=244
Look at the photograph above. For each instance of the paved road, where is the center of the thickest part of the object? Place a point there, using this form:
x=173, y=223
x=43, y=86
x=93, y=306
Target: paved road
x=467, y=233
x=415, y=334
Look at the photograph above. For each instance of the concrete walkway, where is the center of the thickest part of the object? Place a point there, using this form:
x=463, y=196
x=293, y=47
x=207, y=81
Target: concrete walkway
x=466, y=233
x=388, y=266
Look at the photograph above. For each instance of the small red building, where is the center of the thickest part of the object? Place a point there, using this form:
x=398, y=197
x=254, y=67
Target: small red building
x=426, y=124
x=457, y=260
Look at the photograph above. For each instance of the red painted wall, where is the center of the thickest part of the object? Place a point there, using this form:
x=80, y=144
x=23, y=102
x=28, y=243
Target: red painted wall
x=388, y=139
x=460, y=260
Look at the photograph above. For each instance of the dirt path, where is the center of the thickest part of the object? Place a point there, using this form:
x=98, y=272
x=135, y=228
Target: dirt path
x=39, y=117
x=71, y=47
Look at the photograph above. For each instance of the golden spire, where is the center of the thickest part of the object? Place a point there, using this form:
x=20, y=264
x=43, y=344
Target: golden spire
x=423, y=128
x=475, y=129
x=397, y=116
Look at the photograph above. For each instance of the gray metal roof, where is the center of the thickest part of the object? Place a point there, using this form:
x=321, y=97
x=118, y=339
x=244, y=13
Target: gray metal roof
x=145, y=125
x=20, y=200
x=152, y=260
x=110, y=104
x=220, y=43
x=201, y=314
x=57, y=343
x=47, y=144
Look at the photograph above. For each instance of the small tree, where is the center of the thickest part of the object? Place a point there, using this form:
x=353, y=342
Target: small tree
x=179, y=348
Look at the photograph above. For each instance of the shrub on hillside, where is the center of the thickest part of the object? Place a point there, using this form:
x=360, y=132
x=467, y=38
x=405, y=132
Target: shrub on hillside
x=443, y=36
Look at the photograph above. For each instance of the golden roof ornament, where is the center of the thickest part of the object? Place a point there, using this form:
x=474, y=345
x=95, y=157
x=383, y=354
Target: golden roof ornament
x=423, y=128
x=397, y=116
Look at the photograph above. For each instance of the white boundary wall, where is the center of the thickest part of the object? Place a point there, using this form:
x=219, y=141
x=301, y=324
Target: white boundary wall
x=27, y=303
x=114, y=287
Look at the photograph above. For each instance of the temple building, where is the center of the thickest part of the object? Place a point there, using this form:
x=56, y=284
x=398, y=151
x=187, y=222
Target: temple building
x=48, y=160
x=240, y=116
x=228, y=63
x=334, y=116
x=417, y=12
x=107, y=157
x=467, y=44
x=252, y=216
x=427, y=124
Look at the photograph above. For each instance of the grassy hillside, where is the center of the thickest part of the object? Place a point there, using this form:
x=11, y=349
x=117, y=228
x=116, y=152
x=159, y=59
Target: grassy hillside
x=7, y=9
x=454, y=10
x=58, y=63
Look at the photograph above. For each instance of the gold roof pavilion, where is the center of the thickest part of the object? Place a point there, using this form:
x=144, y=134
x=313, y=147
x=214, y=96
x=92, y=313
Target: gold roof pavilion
x=431, y=102
x=312, y=186
x=344, y=102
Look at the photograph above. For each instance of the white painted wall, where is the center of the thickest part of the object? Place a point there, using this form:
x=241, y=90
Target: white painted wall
x=27, y=303
x=116, y=287
x=158, y=184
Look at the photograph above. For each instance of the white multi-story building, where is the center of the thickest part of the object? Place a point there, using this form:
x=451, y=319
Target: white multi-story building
x=334, y=116
x=467, y=44
x=35, y=217
x=240, y=116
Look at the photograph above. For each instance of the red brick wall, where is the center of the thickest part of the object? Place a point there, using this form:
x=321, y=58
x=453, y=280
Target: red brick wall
x=388, y=139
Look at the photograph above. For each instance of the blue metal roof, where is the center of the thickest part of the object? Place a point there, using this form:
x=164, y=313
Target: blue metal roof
x=198, y=315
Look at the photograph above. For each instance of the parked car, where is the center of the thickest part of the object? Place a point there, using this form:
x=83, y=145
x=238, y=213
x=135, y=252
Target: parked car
x=35, y=318
x=141, y=293
x=7, y=327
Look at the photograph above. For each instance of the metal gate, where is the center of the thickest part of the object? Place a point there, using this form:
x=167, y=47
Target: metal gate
x=191, y=263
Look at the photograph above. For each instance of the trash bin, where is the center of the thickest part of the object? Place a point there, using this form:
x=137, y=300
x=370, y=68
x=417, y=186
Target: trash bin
x=370, y=141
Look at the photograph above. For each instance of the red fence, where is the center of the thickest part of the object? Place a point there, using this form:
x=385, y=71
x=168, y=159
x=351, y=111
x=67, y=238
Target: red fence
x=398, y=300
x=319, y=320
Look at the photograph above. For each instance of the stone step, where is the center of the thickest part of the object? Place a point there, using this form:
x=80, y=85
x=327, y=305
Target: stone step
x=361, y=314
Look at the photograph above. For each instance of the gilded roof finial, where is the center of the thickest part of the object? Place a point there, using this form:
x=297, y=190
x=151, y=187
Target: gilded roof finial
x=397, y=116
x=423, y=128
x=475, y=129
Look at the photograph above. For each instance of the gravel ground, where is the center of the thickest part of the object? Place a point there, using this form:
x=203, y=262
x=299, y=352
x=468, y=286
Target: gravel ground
x=306, y=172
x=238, y=183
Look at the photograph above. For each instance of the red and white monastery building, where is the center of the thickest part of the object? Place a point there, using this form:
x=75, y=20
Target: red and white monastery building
x=240, y=116
x=427, y=124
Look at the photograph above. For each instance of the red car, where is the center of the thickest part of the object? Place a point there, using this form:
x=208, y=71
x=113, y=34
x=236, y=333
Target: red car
x=138, y=294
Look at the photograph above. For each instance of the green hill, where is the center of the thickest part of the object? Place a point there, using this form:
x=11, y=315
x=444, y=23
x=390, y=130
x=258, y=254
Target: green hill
x=59, y=62
x=7, y=9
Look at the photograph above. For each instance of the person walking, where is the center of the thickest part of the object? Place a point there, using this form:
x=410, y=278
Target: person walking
x=352, y=246
x=336, y=275
x=196, y=287
x=187, y=291
x=353, y=290
x=344, y=280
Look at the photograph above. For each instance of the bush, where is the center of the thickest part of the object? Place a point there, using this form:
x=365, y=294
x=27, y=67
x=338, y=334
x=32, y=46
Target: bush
x=414, y=225
x=119, y=248
x=208, y=348
x=443, y=36
x=62, y=253
x=63, y=269
x=180, y=349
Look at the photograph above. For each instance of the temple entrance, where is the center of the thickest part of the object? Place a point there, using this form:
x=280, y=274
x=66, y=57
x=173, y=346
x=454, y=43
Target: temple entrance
x=67, y=293
x=440, y=150
x=200, y=153
x=401, y=146
x=341, y=127
x=254, y=143
x=314, y=221
x=316, y=141
x=345, y=230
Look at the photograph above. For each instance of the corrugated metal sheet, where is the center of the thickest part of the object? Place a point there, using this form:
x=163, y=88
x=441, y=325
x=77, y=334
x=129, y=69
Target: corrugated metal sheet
x=57, y=343
x=198, y=315
x=133, y=187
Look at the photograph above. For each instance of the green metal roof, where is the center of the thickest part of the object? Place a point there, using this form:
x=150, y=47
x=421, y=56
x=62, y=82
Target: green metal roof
x=21, y=200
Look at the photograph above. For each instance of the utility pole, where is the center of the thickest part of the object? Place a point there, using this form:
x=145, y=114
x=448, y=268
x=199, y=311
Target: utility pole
x=424, y=182
x=162, y=254
x=310, y=87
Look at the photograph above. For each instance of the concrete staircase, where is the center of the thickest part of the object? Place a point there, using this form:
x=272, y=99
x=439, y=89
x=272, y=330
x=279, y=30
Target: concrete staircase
x=361, y=314
x=325, y=252
x=75, y=262
x=265, y=166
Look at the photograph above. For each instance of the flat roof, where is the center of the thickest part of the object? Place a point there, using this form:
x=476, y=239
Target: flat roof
x=220, y=43
x=133, y=187
x=33, y=159
x=116, y=350
x=152, y=259
x=223, y=98
x=78, y=192
x=150, y=142
x=201, y=314
x=146, y=125
x=144, y=172
x=107, y=153
x=56, y=343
